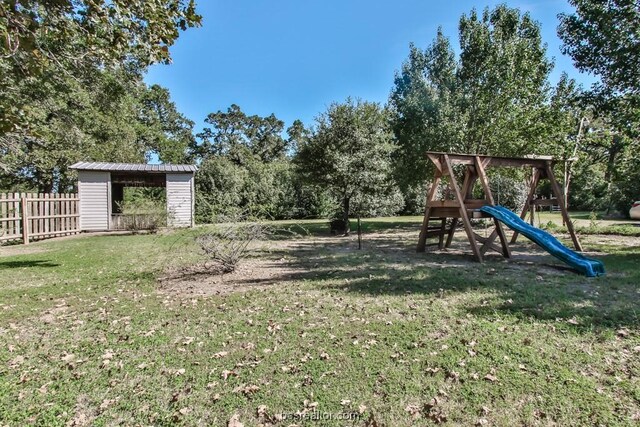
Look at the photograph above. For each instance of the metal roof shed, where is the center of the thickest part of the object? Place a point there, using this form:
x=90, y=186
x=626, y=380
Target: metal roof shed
x=101, y=187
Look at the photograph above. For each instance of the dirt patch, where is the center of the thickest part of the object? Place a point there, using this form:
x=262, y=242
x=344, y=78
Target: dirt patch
x=54, y=314
x=610, y=239
x=203, y=280
x=286, y=261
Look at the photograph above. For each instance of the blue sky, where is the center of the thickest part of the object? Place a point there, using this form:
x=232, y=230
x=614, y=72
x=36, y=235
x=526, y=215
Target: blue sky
x=294, y=57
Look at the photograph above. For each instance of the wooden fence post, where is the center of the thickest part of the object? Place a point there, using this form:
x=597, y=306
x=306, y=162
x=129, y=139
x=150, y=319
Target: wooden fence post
x=25, y=219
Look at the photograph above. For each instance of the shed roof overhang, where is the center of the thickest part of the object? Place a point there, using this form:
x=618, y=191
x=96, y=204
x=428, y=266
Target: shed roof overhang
x=134, y=167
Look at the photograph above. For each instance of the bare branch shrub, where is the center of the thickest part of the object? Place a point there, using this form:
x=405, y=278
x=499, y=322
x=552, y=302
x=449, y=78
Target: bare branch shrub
x=229, y=242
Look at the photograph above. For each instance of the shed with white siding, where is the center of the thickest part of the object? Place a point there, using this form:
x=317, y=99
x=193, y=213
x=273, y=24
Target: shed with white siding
x=101, y=187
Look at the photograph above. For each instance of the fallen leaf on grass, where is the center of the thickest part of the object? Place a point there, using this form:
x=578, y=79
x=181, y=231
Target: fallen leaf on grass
x=226, y=374
x=491, y=378
x=106, y=403
x=413, y=410
x=44, y=388
x=433, y=412
x=371, y=422
x=234, y=421
x=220, y=354
x=622, y=333
x=310, y=405
x=79, y=419
x=454, y=376
x=68, y=358
x=16, y=362
x=247, y=390
x=262, y=411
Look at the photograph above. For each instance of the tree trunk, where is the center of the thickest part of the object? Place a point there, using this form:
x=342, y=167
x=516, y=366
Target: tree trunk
x=610, y=170
x=345, y=214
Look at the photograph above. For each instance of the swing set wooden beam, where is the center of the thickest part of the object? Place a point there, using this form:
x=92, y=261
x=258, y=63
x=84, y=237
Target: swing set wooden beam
x=461, y=208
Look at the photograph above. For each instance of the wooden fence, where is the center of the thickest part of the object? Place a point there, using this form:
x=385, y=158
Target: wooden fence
x=31, y=216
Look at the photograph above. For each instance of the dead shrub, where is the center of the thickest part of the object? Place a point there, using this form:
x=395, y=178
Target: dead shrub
x=228, y=243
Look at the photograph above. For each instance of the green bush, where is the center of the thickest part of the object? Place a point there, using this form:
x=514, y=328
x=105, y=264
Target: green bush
x=143, y=214
x=256, y=189
x=509, y=189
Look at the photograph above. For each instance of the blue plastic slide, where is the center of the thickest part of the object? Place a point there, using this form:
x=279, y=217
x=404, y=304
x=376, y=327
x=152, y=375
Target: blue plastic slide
x=587, y=266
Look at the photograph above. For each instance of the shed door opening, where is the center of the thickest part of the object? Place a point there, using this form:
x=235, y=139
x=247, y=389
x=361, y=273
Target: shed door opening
x=138, y=202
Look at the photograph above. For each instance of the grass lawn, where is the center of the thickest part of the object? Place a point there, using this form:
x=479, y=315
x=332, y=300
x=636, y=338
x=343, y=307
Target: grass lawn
x=104, y=330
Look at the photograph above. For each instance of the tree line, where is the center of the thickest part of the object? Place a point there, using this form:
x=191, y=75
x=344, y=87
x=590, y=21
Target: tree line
x=69, y=94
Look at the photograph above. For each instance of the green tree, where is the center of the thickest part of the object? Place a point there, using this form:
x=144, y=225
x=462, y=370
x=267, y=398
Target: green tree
x=71, y=86
x=257, y=189
x=219, y=189
x=349, y=152
x=503, y=82
x=246, y=168
x=112, y=116
x=491, y=99
x=603, y=38
x=52, y=40
x=237, y=135
x=165, y=131
x=297, y=135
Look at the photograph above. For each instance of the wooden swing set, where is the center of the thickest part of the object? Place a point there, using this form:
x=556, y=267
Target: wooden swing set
x=463, y=207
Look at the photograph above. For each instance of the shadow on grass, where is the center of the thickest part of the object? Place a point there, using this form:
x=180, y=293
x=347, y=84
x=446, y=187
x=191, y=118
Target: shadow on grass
x=4, y=265
x=531, y=286
x=322, y=229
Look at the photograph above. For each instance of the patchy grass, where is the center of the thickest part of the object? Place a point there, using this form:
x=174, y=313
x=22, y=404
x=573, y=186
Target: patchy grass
x=89, y=336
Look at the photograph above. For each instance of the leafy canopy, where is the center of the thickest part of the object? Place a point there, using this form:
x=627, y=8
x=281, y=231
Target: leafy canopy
x=72, y=88
x=492, y=98
x=237, y=135
x=349, y=152
x=603, y=38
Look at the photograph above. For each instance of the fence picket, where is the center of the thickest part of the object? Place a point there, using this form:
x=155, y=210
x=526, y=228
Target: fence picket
x=55, y=213
x=30, y=212
x=38, y=208
x=3, y=210
x=63, y=211
x=40, y=203
x=16, y=213
x=24, y=213
x=34, y=216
